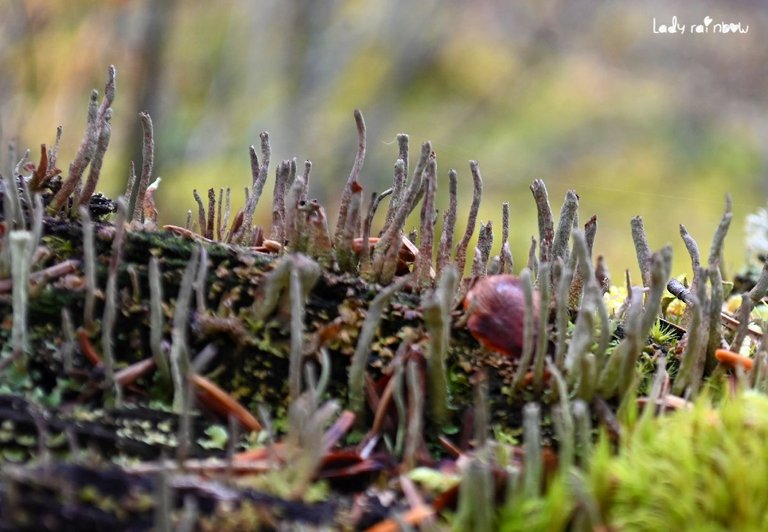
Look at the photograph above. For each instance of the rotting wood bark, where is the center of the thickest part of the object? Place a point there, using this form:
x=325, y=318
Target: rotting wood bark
x=252, y=359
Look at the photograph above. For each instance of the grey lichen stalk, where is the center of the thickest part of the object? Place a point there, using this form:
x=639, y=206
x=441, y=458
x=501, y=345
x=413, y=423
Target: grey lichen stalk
x=477, y=194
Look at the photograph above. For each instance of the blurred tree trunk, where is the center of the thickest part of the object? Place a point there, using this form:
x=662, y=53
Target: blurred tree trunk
x=155, y=19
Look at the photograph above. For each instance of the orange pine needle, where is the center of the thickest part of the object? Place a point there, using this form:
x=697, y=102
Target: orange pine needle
x=261, y=453
x=414, y=516
x=132, y=373
x=87, y=348
x=729, y=358
x=223, y=404
x=251, y=455
x=186, y=233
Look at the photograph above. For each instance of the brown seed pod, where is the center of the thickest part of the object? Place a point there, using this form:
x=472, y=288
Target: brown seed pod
x=495, y=307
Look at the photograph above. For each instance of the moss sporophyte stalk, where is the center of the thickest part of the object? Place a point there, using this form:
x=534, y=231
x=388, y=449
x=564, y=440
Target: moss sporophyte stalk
x=341, y=372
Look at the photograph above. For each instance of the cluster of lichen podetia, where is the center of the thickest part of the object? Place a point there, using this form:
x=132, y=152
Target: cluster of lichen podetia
x=580, y=372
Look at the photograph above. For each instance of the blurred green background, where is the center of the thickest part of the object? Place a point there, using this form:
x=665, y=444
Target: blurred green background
x=581, y=93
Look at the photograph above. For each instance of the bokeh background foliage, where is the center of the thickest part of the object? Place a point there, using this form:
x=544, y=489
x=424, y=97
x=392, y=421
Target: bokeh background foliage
x=579, y=93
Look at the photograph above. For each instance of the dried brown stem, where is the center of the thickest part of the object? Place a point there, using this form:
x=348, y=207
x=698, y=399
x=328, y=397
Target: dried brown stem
x=53, y=153
x=398, y=184
x=505, y=257
x=477, y=193
x=741, y=331
x=354, y=177
x=259, y=173
x=533, y=263
x=295, y=220
x=365, y=256
x=386, y=250
x=424, y=259
x=131, y=184
x=546, y=225
x=227, y=211
x=147, y=156
x=345, y=254
x=255, y=167
x=211, y=214
x=449, y=224
x=82, y=157
x=200, y=212
x=111, y=303
x=568, y=214
x=678, y=289
x=716, y=251
x=577, y=286
x=98, y=159
x=641, y=249
x=715, y=309
x=319, y=246
x=43, y=276
x=218, y=214
x=278, y=201
x=305, y=177
x=39, y=177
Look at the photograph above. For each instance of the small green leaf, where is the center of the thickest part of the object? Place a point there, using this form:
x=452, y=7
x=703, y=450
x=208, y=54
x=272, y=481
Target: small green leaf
x=218, y=438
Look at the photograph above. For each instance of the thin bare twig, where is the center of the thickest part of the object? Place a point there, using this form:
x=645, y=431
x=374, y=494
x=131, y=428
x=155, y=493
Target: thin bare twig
x=82, y=158
x=365, y=257
x=449, y=224
x=98, y=118
x=362, y=350
x=386, y=250
x=546, y=225
x=148, y=156
x=53, y=153
x=282, y=174
x=102, y=144
x=211, y=213
x=477, y=193
x=345, y=254
x=354, y=177
x=568, y=214
x=678, y=289
x=219, y=204
x=111, y=303
x=200, y=212
x=505, y=257
x=716, y=251
x=424, y=260
x=398, y=184
x=641, y=249
x=741, y=331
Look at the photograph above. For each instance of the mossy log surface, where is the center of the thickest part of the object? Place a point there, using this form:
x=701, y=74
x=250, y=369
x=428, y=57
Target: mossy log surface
x=62, y=411
x=252, y=356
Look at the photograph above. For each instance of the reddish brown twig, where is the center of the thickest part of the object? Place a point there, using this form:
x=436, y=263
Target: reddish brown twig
x=43, y=276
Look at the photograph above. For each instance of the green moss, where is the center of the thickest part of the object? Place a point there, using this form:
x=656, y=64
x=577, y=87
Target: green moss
x=551, y=511
x=61, y=247
x=216, y=438
x=699, y=469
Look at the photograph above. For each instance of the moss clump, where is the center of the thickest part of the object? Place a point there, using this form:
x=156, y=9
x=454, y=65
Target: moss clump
x=699, y=469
